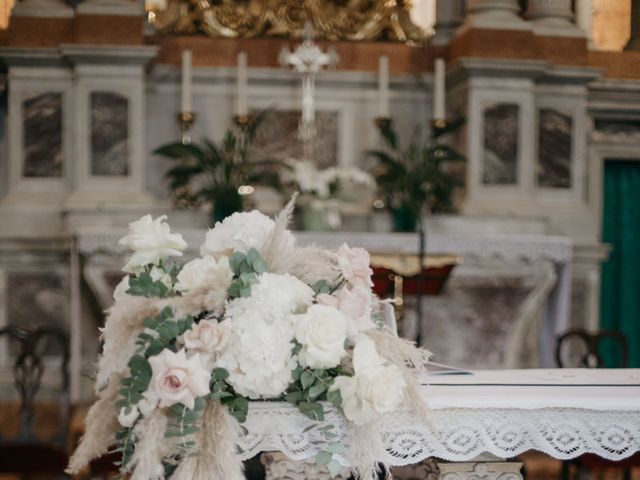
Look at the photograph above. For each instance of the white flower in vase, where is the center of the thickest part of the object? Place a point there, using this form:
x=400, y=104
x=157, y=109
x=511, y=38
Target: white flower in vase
x=206, y=280
x=375, y=388
x=178, y=379
x=239, y=232
x=151, y=241
x=354, y=265
x=322, y=332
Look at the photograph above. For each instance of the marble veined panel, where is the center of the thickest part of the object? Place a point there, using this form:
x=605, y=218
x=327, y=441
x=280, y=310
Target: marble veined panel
x=42, y=139
x=277, y=137
x=554, y=149
x=501, y=144
x=109, y=134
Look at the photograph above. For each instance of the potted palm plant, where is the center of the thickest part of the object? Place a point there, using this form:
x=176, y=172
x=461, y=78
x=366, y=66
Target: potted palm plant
x=219, y=174
x=418, y=178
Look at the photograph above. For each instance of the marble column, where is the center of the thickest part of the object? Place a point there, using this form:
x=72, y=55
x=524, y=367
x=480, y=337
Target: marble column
x=634, y=39
x=42, y=9
x=554, y=17
x=449, y=17
x=495, y=14
x=584, y=17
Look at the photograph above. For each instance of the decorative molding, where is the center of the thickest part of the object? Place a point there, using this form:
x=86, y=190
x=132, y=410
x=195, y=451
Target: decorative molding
x=332, y=20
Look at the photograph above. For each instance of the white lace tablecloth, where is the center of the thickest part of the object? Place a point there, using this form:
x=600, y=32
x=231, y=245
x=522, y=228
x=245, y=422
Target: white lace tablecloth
x=564, y=413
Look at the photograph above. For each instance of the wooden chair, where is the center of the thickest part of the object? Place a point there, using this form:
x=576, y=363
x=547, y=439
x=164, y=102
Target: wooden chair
x=589, y=355
x=26, y=454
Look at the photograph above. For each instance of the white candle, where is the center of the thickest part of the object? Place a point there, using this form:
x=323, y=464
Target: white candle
x=241, y=107
x=439, y=72
x=383, y=86
x=186, y=81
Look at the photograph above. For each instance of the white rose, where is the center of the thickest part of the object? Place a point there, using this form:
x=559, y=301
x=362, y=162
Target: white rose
x=151, y=240
x=128, y=416
x=322, y=332
x=207, y=336
x=355, y=304
x=275, y=296
x=239, y=232
x=206, y=280
x=178, y=379
x=375, y=388
x=258, y=356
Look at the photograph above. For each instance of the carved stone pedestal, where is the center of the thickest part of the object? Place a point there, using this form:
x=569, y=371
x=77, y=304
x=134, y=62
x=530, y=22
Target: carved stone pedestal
x=480, y=471
x=279, y=467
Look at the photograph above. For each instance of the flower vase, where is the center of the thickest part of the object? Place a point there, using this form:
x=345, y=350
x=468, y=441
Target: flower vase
x=321, y=216
x=404, y=219
x=225, y=206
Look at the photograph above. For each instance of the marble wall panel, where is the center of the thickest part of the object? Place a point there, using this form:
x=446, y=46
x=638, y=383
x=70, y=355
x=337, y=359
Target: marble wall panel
x=277, y=137
x=501, y=144
x=554, y=148
x=42, y=123
x=38, y=299
x=109, y=134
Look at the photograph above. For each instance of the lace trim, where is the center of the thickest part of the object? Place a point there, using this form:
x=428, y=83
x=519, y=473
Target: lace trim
x=456, y=434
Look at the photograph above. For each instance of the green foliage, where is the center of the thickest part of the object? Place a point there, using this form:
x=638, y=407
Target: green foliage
x=321, y=286
x=210, y=172
x=183, y=422
x=246, y=269
x=418, y=177
x=142, y=285
x=221, y=391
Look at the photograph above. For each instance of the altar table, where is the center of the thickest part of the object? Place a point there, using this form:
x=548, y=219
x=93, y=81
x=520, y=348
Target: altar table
x=562, y=412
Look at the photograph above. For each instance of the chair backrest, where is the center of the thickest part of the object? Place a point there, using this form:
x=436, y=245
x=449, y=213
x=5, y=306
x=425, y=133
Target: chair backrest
x=587, y=348
x=28, y=369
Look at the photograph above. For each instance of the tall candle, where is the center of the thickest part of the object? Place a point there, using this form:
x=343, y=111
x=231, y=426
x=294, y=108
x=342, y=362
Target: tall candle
x=186, y=105
x=439, y=111
x=383, y=86
x=241, y=107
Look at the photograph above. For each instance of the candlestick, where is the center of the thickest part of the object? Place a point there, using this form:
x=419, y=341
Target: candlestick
x=186, y=81
x=439, y=110
x=185, y=121
x=241, y=107
x=383, y=86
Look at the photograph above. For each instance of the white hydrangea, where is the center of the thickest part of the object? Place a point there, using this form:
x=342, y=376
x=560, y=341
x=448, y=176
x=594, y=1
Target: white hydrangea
x=275, y=296
x=258, y=356
x=206, y=280
x=239, y=232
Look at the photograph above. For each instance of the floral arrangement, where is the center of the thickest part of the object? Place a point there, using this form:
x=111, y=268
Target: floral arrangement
x=254, y=318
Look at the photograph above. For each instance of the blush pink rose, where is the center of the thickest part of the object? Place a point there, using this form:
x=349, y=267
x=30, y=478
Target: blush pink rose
x=354, y=265
x=178, y=379
x=355, y=304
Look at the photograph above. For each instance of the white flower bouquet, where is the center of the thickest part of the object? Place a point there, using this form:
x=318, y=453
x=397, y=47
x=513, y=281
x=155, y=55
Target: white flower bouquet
x=255, y=318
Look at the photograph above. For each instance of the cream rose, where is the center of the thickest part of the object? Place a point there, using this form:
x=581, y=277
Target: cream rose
x=321, y=332
x=354, y=265
x=355, y=304
x=207, y=336
x=151, y=240
x=178, y=379
x=239, y=232
x=205, y=281
x=375, y=388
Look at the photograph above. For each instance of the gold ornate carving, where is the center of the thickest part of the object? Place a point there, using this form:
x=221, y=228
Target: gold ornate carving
x=332, y=19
